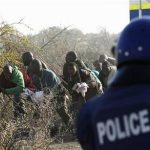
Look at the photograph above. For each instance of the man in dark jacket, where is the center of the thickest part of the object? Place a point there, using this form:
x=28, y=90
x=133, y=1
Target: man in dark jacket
x=49, y=80
x=120, y=119
x=104, y=57
x=77, y=75
x=71, y=56
x=107, y=73
x=12, y=83
x=83, y=85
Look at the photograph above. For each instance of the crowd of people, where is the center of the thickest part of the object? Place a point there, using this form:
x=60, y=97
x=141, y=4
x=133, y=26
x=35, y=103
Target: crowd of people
x=79, y=81
x=116, y=113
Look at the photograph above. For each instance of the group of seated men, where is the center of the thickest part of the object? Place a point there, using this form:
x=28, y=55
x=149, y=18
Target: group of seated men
x=81, y=82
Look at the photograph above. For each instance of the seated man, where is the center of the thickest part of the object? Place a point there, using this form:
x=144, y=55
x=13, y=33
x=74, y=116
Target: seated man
x=71, y=56
x=107, y=73
x=77, y=75
x=27, y=57
x=48, y=79
x=104, y=57
x=97, y=68
x=11, y=82
x=83, y=85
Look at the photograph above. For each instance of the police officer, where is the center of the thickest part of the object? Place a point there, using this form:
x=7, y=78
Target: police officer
x=120, y=119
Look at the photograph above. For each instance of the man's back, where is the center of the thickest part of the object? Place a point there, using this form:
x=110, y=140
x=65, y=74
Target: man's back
x=119, y=121
x=48, y=79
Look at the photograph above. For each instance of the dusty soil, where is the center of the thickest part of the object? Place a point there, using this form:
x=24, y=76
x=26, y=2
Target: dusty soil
x=62, y=146
x=65, y=146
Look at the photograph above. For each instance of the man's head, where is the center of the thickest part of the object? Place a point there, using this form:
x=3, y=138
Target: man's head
x=97, y=65
x=72, y=69
x=35, y=67
x=27, y=57
x=134, y=43
x=71, y=56
x=102, y=58
x=8, y=71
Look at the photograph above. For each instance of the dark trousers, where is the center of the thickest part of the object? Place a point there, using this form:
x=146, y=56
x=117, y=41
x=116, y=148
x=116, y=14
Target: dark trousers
x=61, y=103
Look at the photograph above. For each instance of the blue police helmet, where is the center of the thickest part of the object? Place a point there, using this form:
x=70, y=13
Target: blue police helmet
x=134, y=43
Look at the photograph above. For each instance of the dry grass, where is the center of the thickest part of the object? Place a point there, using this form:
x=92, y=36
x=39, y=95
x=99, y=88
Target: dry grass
x=32, y=133
x=62, y=146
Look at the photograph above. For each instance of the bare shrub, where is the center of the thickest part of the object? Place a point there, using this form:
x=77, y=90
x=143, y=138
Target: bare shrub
x=42, y=126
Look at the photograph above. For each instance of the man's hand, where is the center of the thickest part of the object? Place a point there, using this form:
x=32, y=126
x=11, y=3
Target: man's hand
x=92, y=84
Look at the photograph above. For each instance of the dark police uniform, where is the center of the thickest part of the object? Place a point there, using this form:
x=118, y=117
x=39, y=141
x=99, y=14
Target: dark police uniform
x=120, y=119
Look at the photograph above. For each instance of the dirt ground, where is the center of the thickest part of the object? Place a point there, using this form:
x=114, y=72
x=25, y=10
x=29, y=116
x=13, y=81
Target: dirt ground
x=65, y=146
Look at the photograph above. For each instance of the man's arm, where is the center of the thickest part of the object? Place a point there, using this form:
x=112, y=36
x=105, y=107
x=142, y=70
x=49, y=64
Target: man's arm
x=44, y=66
x=19, y=85
x=112, y=60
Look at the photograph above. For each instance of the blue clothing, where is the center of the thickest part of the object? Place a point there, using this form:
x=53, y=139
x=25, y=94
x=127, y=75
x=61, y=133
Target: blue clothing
x=119, y=119
x=48, y=79
x=96, y=73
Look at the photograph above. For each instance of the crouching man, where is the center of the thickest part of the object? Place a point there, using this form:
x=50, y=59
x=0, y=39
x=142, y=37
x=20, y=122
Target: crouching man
x=48, y=79
x=12, y=83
